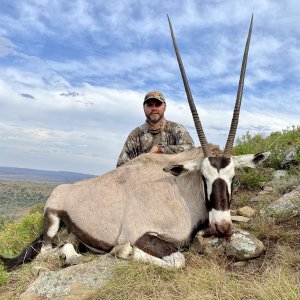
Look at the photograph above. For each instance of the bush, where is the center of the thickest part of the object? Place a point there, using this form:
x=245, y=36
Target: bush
x=278, y=143
x=251, y=179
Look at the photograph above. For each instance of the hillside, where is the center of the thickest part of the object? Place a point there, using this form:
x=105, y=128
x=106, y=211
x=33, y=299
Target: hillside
x=21, y=189
x=17, y=198
x=32, y=175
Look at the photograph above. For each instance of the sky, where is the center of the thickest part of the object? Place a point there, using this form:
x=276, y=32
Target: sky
x=74, y=74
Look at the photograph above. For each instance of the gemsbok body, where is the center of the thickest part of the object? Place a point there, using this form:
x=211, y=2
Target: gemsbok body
x=151, y=207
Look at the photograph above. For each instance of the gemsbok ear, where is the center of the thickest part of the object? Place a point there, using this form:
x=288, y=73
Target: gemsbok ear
x=249, y=160
x=188, y=166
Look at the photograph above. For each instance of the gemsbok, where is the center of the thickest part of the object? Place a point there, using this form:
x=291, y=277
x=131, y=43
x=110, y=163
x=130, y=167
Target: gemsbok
x=151, y=207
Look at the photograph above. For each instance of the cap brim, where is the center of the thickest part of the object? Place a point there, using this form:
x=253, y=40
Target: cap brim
x=154, y=98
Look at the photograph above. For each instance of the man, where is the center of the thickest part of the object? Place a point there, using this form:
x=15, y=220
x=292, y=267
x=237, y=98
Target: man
x=156, y=135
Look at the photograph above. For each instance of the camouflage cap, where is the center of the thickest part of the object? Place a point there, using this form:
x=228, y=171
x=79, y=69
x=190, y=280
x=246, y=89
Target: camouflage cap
x=155, y=95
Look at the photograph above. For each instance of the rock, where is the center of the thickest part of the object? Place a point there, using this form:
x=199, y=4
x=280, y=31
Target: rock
x=239, y=264
x=243, y=245
x=37, y=270
x=286, y=206
x=239, y=219
x=208, y=245
x=279, y=173
x=268, y=188
x=246, y=211
x=74, y=260
x=72, y=283
x=289, y=159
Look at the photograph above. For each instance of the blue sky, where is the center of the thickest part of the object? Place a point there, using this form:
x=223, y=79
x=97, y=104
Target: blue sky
x=74, y=73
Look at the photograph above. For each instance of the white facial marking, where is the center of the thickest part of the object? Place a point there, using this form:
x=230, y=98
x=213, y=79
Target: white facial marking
x=227, y=175
x=219, y=216
x=211, y=174
x=52, y=231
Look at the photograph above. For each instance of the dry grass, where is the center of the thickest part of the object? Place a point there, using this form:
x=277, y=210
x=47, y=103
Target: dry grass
x=203, y=278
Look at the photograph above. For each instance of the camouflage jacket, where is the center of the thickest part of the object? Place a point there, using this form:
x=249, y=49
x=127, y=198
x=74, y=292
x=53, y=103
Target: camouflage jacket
x=172, y=135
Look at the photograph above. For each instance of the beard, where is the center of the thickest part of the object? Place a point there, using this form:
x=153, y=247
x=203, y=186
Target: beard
x=154, y=118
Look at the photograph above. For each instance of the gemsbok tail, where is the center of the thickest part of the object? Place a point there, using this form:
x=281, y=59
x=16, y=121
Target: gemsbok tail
x=27, y=255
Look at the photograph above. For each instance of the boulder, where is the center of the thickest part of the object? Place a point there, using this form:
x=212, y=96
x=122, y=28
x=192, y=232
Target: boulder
x=268, y=188
x=246, y=211
x=242, y=245
x=75, y=282
x=289, y=158
x=286, y=206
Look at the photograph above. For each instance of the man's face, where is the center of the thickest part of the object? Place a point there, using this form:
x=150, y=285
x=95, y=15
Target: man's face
x=154, y=110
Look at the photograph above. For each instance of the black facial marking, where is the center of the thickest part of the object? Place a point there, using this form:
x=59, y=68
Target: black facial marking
x=219, y=198
x=219, y=162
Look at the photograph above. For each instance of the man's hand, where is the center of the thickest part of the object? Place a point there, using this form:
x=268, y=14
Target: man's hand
x=157, y=149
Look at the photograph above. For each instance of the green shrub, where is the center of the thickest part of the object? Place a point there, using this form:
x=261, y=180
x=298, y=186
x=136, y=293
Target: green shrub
x=278, y=143
x=251, y=179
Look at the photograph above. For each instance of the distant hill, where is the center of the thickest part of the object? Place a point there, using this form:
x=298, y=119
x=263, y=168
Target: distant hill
x=32, y=175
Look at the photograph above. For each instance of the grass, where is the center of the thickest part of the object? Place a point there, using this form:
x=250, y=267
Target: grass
x=203, y=278
x=16, y=236
x=287, y=183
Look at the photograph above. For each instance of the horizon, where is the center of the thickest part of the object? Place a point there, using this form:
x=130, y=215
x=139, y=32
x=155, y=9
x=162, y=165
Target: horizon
x=43, y=170
x=71, y=91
